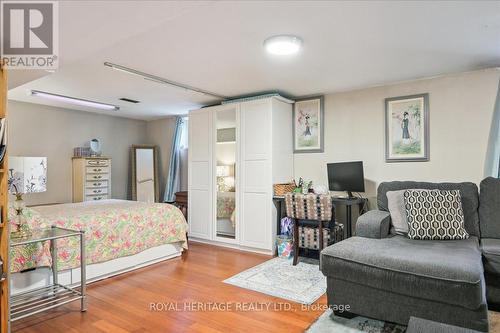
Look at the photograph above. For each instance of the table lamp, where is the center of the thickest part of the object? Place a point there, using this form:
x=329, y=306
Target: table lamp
x=26, y=175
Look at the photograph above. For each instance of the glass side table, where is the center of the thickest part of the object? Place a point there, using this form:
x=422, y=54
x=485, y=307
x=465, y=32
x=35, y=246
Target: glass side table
x=55, y=294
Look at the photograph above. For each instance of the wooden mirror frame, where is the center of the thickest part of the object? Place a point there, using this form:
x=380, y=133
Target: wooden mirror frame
x=134, y=170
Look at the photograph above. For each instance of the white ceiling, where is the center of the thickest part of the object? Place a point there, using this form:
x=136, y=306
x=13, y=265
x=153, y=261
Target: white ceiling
x=217, y=46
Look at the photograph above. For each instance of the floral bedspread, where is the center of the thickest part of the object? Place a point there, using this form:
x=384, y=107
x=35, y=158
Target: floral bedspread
x=113, y=229
x=226, y=206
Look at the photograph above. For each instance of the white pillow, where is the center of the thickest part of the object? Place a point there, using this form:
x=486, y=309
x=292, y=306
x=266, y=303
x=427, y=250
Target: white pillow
x=396, y=205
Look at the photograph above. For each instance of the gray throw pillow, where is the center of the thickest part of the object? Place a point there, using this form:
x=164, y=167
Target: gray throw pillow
x=435, y=214
x=396, y=205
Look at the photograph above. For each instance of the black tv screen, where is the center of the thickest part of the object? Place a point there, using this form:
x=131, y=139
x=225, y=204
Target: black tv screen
x=346, y=176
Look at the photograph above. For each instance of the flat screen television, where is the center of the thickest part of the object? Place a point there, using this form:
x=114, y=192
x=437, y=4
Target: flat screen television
x=346, y=176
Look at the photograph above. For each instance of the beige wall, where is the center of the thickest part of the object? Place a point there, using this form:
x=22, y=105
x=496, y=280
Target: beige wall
x=461, y=109
x=37, y=130
x=160, y=133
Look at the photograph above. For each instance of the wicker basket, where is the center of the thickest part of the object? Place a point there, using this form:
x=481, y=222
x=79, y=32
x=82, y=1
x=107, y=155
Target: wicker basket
x=281, y=189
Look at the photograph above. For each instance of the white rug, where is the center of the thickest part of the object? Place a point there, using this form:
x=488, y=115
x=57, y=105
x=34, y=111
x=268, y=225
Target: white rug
x=328, y=323
x=303, y=283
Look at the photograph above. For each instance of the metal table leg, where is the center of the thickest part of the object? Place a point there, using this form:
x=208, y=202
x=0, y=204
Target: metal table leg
x=53, y=252
x=83, y=280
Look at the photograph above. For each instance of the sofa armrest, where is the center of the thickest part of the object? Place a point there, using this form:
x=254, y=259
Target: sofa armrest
x=373, y=224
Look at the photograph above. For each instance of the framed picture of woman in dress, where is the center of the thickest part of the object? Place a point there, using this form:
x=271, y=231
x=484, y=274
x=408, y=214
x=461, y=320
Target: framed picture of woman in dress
x=407, y=128
x=308, y=125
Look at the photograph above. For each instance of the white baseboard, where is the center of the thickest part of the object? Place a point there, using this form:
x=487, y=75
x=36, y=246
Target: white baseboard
x=231, y=246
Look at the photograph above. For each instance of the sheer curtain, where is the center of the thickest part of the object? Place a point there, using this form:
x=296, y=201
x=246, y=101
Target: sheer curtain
x=492, y=165
x=174, y=179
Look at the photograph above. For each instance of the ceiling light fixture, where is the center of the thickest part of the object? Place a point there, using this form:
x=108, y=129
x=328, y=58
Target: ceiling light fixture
x=161, y=80
x=283, y=44
x=74, y=100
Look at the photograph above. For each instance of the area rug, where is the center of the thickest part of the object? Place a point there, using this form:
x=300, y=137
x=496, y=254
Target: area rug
x=328, y=323
x=303, y=283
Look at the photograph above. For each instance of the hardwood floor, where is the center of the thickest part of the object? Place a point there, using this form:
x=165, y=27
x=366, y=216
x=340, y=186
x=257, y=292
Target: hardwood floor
x=122, y=304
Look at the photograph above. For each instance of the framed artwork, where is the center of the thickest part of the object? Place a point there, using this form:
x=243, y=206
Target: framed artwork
x=407, y=128
x=308, y=125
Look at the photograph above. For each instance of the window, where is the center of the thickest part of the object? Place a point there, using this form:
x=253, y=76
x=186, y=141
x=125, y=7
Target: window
x=184, y=133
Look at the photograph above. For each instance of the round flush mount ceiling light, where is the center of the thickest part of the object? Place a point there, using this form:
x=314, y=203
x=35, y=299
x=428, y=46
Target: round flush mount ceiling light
x=283, y=44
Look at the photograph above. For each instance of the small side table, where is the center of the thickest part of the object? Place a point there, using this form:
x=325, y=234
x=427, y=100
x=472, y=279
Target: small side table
x=181, y=201
x=41, y=299
x=349, y=202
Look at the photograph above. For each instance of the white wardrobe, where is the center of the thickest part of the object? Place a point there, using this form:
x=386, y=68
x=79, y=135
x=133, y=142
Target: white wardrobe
x=237, y=151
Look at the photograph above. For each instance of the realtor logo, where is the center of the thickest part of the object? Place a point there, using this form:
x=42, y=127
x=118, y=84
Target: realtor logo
x=29, y=34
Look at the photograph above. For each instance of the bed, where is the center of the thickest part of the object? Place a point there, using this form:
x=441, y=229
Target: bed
x=120, y=236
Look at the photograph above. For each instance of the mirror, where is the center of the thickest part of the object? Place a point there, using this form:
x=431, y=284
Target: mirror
x=225, y=152
x=145, y=186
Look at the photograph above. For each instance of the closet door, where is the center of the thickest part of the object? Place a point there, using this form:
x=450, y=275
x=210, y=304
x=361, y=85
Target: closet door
x=200, y=174
x=226, y=188
x=256, y=185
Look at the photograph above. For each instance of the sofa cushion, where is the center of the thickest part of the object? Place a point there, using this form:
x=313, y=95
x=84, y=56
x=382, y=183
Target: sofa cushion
x=396, y=206
x=434, y=215
x=489, y=208
x=491, y=255
x=449, y=272
x=468, y=193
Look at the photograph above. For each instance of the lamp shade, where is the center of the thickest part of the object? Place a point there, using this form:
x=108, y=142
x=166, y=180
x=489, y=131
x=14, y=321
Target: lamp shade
x=223, y=170
x=27, y=174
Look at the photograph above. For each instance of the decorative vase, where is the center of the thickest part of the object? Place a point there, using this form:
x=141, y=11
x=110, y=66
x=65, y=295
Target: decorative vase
x=23, y=227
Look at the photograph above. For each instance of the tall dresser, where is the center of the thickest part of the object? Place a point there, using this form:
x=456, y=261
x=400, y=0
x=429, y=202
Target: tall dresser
x=91, y=178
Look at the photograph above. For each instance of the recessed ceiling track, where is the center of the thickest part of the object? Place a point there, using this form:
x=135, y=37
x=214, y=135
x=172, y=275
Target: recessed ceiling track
x=161, y=80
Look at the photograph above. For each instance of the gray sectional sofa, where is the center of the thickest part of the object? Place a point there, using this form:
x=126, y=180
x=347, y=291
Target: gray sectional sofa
x=489, y=217
x=391, y=278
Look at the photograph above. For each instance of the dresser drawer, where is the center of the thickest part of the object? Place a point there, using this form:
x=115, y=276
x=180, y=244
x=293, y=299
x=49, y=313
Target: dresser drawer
x=96, y=197
x=97, y=169
x=96, y=191
x=97, y=176
x=97, y=162
x=96, y=183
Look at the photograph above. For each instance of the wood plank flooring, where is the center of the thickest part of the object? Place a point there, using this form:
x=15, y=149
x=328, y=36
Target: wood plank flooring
x=122, y=304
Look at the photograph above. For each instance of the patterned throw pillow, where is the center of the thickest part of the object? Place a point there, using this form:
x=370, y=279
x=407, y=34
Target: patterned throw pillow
x=435, y=214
